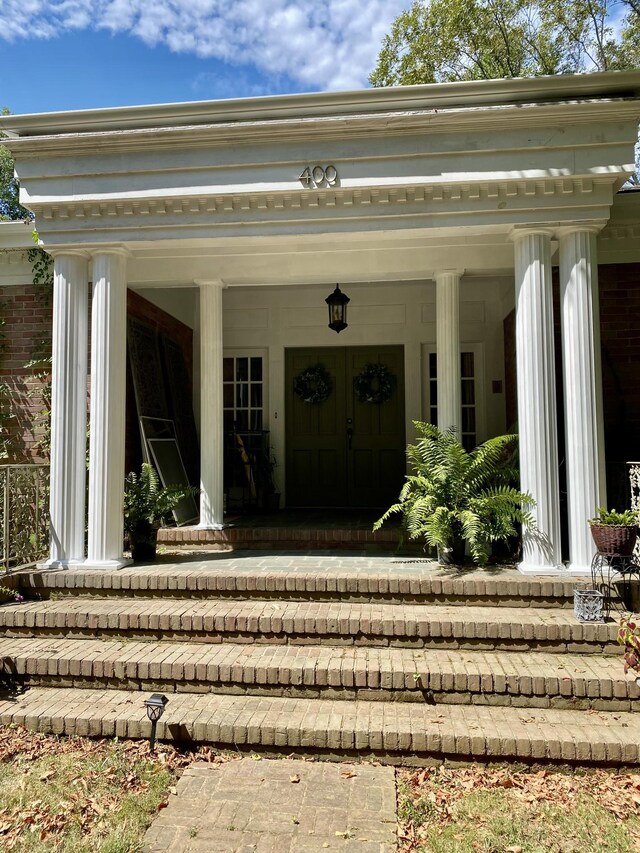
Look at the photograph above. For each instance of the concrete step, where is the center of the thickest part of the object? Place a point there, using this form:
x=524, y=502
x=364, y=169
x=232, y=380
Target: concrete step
x=329, y=623
x=417, y=675
x=394, y=731
x=303, y=577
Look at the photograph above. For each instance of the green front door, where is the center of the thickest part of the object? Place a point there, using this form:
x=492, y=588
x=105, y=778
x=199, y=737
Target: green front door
x=344, y=452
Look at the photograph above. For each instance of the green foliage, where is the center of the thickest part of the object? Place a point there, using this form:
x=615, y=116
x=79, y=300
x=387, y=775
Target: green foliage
x=453, y=494
x=447, y=40
x=610, y=517
x=146, y=501
x=10, y=207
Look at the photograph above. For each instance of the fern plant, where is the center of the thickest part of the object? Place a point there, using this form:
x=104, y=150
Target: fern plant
x=146, y=505
x=453, y=495
x=145, y=501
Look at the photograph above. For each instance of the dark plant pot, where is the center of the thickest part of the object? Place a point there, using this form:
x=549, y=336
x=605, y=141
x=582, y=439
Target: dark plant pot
x=453, y=555
x=615, y=538
x=144, y=542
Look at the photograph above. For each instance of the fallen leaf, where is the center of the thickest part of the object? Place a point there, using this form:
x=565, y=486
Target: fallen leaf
x=295, y=779
x=347, y=775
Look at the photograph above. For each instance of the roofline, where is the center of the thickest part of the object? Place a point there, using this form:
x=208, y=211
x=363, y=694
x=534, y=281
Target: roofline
x=16, y=235
x=475, y=93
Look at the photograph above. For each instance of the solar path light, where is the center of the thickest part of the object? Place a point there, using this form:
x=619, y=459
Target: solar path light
x=155, y=706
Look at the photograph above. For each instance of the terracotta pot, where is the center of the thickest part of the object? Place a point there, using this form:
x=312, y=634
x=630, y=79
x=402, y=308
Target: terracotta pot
x=615, y=538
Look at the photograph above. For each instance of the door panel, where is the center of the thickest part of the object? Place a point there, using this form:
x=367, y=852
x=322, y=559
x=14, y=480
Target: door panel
x=315, y=434
x=376, y=464
x=324, y=468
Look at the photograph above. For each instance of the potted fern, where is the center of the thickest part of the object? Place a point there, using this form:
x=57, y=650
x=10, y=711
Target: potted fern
x=454, y=498
x=146, y=505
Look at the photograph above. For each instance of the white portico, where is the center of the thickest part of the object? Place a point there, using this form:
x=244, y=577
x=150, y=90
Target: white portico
x=439, y=198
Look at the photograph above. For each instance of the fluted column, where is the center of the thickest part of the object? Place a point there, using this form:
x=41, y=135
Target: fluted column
x=68, y=408
x=537, y=417
x=448, y=348
x=107, y=424
x=211, y=407
x=582, y=389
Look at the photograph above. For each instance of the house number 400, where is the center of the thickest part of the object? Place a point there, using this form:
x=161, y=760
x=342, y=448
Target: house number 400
x=319, y=176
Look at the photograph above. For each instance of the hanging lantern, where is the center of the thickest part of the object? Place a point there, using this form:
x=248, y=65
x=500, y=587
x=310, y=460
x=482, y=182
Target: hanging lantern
x=337, y=302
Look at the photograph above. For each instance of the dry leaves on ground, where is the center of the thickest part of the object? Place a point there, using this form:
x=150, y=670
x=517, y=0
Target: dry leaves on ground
x=89, y=771
x=441, y=788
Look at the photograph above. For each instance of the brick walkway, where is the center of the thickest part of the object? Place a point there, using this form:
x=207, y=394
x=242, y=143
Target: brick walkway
x=250, y=806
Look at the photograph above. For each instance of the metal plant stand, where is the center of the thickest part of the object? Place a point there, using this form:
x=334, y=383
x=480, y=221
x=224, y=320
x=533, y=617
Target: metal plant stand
x=614, y=576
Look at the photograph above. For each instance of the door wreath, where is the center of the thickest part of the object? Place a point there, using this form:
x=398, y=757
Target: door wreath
x=313, y=385
x=375, y=384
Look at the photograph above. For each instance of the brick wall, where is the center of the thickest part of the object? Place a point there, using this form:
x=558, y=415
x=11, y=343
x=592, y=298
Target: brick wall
x=24, y=335
x=26, y=312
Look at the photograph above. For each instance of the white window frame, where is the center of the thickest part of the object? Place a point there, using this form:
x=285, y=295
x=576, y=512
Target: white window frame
x=480, y=385
x=254, y=352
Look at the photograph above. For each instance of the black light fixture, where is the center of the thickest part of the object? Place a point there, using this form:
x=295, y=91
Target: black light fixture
x=337, y=302
x=155, y=706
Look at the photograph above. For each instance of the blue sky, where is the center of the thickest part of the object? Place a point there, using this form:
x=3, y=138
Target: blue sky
x=74, y=54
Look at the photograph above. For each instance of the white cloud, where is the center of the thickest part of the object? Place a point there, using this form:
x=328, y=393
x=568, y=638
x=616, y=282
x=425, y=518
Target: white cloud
x=327, y=44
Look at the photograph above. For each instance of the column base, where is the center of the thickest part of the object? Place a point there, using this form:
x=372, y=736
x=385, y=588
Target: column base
x=59, y=565
x=578, y=571
x=532, y=569
x=211, y=526
x=106, y=565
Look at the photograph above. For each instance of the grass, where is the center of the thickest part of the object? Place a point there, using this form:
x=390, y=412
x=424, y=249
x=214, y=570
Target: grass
x=502, y=810
x=78, y=795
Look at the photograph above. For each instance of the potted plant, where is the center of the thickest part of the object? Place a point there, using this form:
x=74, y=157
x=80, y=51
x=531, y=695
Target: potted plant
x=146, y=505
x=455, y=498
x=629, y=637
x=614, y=532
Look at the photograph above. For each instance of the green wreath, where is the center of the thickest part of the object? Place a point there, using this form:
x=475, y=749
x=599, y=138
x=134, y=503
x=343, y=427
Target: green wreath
x=313, y=385
x=375, y=384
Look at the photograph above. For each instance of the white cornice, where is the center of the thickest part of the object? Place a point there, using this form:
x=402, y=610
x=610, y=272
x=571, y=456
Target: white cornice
x=464, y=95
x=16, y=235
x=359, y=125
x=493, y=194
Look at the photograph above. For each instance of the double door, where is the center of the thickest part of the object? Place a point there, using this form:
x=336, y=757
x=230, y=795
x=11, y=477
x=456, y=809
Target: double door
x=344, y=452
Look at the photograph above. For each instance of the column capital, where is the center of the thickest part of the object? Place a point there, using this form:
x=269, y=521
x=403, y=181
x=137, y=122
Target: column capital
x=120, y=251
x=440, y=275
x=519, y=232
x=61, y=252
x=581, y=228
x=210, y=282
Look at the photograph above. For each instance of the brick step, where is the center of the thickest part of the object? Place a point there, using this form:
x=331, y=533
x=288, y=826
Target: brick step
x=273, y=622
x=417, y=675
x=393, y=730
x=299, y=577
x=283, y=536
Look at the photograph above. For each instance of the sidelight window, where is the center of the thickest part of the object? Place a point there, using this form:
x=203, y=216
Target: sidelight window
x=469, y=430
x=243, y=393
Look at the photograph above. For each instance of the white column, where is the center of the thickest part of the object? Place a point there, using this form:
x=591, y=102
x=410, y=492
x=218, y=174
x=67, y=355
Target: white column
x=448, y=348
x=107, y=425
x=68, y=409
x=537, y=417
x=582, y=389
x=211, y=407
